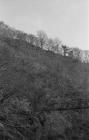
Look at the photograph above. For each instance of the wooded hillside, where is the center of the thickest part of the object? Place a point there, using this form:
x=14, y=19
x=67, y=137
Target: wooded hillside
x=43, y=95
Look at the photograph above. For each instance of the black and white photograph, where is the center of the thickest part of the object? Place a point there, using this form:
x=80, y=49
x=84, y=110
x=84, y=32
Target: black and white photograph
x=44, y=69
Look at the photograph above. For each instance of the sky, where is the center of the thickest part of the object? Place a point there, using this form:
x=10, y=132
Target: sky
x=66, y=19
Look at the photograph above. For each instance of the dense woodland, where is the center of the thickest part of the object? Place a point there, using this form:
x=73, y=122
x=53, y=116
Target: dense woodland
x=44, y=88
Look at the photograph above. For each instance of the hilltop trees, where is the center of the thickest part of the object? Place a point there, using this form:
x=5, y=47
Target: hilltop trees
x=43, y=38
x=57, y=44
x=43, y=41
x=21, y=35
x=64, y=50
x=77, y=53
x=85, y=56
x=33, y=40
x=50, y=44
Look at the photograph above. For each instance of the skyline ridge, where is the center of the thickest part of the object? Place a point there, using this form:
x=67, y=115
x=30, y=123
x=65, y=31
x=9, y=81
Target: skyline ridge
x=67, y=20
x=17, y=29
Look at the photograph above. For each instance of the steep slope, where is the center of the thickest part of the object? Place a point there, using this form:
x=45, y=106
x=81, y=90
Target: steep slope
x=41, y=93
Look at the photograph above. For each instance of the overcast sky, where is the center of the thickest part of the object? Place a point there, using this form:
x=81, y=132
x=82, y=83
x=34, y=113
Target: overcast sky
x=66, y=19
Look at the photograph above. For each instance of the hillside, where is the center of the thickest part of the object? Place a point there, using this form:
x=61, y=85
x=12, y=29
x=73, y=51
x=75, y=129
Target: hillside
x=42, y=94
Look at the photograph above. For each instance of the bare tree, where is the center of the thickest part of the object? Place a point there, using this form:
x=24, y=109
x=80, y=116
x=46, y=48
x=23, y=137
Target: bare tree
x=21, y=35
x=57, y=45
x=43, y=38
x=77, y=53
x=32, y=39
x=64, y=50
x=51, y=44
x=85, y=56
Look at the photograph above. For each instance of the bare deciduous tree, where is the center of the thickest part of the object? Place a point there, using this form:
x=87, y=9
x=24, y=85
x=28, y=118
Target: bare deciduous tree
x=50, y=44
x=57, y=45
x=64, y=50
x=43, y=38
x=76, y=53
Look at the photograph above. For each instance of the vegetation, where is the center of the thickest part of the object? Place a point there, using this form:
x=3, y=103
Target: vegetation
x=43, y=95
